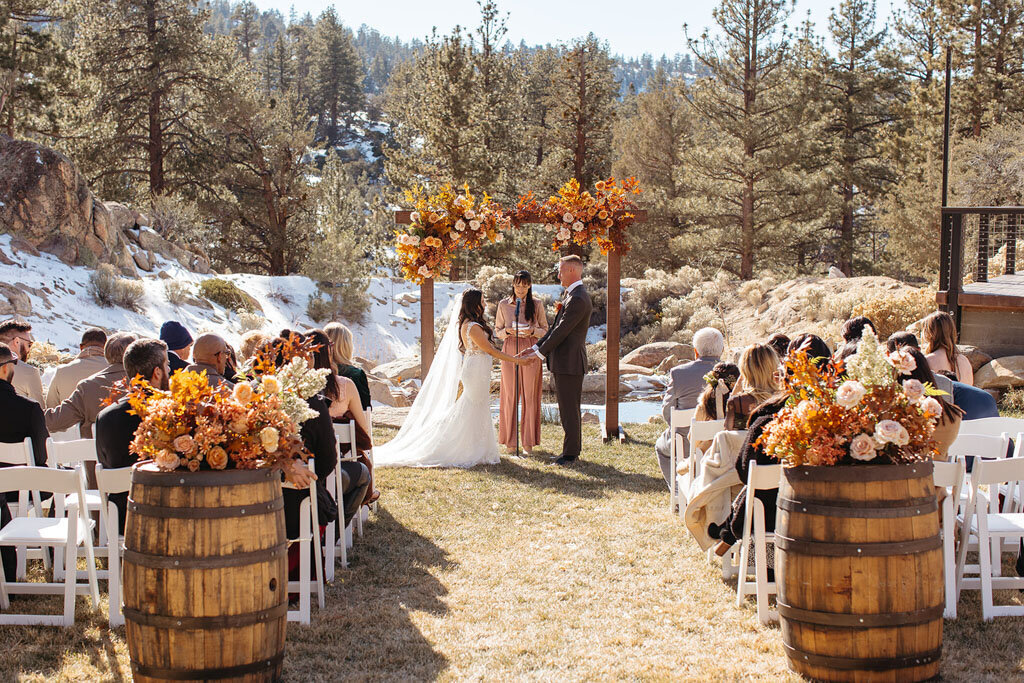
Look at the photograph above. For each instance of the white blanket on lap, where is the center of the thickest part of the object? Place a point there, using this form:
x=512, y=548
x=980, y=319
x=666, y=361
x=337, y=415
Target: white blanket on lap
x=713, y=485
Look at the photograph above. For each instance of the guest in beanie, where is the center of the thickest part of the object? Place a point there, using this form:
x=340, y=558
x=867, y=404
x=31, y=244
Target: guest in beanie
x=179, y=344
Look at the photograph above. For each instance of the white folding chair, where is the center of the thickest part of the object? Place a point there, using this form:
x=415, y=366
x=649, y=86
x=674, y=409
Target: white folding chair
x=69, y=530
x=69, y=454
x=309, y=537
x=72, y=434
x=369, y=454
x=979, y=447
x=991, y=525
x=118, y=480
x=700, y=430
x=992, y=426
x=679, y=420
x=949, y=475
x=345, y=435
x=21, y=454
x=759, y=478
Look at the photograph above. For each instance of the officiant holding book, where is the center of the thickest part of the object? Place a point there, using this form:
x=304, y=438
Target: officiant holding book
x=520, y=321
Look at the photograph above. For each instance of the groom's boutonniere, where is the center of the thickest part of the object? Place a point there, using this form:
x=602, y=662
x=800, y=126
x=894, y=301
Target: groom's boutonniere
x=559, y=307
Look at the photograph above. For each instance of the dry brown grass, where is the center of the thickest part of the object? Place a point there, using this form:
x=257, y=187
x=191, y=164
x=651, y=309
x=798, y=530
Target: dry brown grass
x=523, y=570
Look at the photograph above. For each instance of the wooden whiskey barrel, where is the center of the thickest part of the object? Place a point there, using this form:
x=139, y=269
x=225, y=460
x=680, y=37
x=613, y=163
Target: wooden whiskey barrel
x=205, y=575
x=859, y=572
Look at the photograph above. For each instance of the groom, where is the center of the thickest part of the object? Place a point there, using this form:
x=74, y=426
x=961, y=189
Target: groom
x=564, y=349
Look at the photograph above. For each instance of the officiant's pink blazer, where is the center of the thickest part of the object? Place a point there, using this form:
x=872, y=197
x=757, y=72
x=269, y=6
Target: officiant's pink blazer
x=531, y=376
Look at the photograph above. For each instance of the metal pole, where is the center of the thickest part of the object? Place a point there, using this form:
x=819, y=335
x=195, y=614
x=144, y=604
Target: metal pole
x=515, y=369
x=945, y=129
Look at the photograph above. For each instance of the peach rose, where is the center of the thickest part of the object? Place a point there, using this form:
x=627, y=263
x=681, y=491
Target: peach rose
x=475, y=225
x=193, y=465
x=862, y=447
x=499, y=237
x=890, y=431
x=564, y=234
x=568, y=218
x=269, y=437
x=415, y=217
x=185, y=444
x=167, y=460
x=217, y=458
x=903, y=361
x=850, y=393
x=271, y=385
x=243, y=393
x=424, y=271
x=913, y=389
x=931, y=407
x=577, y=226
x=460, y=225
x=471, y=214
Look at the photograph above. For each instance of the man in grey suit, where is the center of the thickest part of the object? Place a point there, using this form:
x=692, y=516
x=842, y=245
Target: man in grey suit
x=564, y=348
x=686, y=382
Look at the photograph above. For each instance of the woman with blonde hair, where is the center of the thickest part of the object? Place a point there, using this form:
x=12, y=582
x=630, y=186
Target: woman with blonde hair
x=759, y=365
x=342, y=350
x=938, y=332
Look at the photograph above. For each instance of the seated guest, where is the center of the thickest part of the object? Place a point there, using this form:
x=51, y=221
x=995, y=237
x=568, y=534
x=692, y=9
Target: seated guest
x=938, y=332
x=86, y=401
x=853, y=329
x=21, y=418
x=686, y=382
x=210, y=355
x=758, y=366
x=712, y=401
x=948, y=426
x=345, y=406
x=179, y=344
x=780, y=343
x=90, y=360
x=250, y=342
x=115, y=425
x=342, y=349
x=231, y=366
x=976, y=403
x=27, y=381
x=812, y=345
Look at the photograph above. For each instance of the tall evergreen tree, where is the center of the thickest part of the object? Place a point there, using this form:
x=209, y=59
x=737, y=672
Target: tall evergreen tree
x=246, y=30
x=336, y=73
x=33, y=66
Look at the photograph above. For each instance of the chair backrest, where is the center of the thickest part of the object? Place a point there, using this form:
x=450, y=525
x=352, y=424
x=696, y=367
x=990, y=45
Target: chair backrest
x=26, y=477
x=949, y=474
x=985, y=446
x=993, y=426
x=682, y=418
x=115, y=480
x=17, y=453
x=70, y=452
x=1005, y=471
x=705, y=430
x=763, y=477
x=72, y=434
x=345, y=433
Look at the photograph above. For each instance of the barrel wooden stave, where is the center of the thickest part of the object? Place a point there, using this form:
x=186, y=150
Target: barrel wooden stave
x=861, y=585
x=254, y=587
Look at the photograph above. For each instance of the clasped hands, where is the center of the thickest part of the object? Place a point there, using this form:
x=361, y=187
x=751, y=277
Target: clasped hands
x=529, y=356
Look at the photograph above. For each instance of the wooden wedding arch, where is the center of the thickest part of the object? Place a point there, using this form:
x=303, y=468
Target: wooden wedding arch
x=610, y=428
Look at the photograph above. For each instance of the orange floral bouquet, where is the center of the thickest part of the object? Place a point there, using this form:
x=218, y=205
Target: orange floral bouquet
x=581, y=218
x=441, y=224
x=866, y=416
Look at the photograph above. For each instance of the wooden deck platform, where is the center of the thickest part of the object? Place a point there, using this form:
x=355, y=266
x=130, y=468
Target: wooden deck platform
x=992, y=314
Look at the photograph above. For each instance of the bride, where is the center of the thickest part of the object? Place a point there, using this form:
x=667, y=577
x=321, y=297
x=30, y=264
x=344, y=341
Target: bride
x=445, y=429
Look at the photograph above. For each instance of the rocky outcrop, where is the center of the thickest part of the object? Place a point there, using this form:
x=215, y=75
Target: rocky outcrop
x=399, y=370
x=1001, y=373
x=652, y=355
x=976, y=356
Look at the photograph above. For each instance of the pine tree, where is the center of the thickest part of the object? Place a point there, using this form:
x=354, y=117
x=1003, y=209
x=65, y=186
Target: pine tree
x=33, y=66
x=540, y=71
x=861, y=95
x=246, y=31
x=152, y=71
x=336, y=73
x=299, y=38
x=278, y=67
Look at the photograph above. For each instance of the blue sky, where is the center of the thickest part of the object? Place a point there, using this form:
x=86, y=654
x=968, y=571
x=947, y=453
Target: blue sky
x=631, y=27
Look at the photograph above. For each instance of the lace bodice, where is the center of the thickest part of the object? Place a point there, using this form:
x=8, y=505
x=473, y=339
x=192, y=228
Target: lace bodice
x=471, y=348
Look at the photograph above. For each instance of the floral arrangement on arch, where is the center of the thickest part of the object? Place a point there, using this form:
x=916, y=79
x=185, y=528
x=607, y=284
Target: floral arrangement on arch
x=575, y=217
x=255, y=425
x=443, y=223
x=865, y=417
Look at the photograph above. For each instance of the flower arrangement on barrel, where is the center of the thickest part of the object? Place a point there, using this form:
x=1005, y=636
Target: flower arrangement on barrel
x=441, y=224
x=256, y=425
x=866, y=416
x=580, y=218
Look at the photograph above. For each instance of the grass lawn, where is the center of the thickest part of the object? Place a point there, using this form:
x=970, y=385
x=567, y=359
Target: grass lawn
x=523, y=570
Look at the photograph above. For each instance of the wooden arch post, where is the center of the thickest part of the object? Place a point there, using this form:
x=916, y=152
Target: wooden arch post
x=610, y=429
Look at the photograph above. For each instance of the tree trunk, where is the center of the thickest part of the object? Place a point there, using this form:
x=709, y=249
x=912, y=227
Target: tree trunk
x=976, y=106
x=846, y=233
x=155, y=148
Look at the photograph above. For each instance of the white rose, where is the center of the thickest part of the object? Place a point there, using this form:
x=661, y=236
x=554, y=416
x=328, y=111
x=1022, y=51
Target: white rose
x=415, y=217
x=850, y=393
x=424, y=271
x=577, y=226
x=862, y=447
x=913, y=389
x=471, y=214
x=475, y=225
x=460, y=225
x=890, y=431
x=564, y=234
x=931, y=407
x=568, y=218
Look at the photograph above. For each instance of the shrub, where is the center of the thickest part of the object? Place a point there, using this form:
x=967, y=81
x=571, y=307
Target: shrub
x=250, y=321
x=109, y=289
x=177, y=293
x=319, y=309
x=43, y=354
x=597, y=355
x=892, y=312
x=1012, y=403
x=496, y=283
x=227, y=294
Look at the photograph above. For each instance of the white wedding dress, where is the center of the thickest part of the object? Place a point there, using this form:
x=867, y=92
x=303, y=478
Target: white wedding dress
x=445, y=429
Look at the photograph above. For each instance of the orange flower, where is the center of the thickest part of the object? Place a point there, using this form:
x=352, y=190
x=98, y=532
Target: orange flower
x=217, y=458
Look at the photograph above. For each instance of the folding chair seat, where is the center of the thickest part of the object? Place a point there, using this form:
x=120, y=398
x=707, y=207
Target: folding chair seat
x=69, y=528
x=759, y=478
x=118, y=480
x=69, y=454
x=22, y=454
x=309, y=539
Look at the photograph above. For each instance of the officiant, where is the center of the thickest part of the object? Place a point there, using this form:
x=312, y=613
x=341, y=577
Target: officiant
x=520, y=321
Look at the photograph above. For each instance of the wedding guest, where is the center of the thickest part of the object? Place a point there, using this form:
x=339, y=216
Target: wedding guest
x=976, y=403
x=711, y=404
x=210, y=355
x=116, y=425
x=686, y=382
x=179, y=344
x=28, y=381
x=342, y=350
x=231, y=366
x=948, y=426
x=758, y=367
x=938, y=332
x=86, y=401
x=812, y=345
x=780, y=343
x=532, y=325
x=90, y=360
x=250, y=342
x=853, y=329
x=21, y=418
x=344, y=405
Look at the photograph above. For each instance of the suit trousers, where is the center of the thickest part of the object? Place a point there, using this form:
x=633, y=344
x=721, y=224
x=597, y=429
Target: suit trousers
x=569, y=390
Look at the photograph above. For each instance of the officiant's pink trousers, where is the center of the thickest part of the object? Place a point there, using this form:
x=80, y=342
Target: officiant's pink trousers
x=530, y=385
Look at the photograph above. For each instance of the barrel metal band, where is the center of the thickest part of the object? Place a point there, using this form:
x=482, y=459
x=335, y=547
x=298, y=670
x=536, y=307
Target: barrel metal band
x=164, y=512
x=860, y=473
x=208, y=674
x=150, y=477
x=867, y=509
x=867, y=663
x=805, y=616
x=858, y=549
x=205, y=623
x=216, y=562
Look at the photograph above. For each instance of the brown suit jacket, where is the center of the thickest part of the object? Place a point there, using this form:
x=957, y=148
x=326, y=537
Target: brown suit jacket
x=565, y=345
x=66, y=377
x=85, y=402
